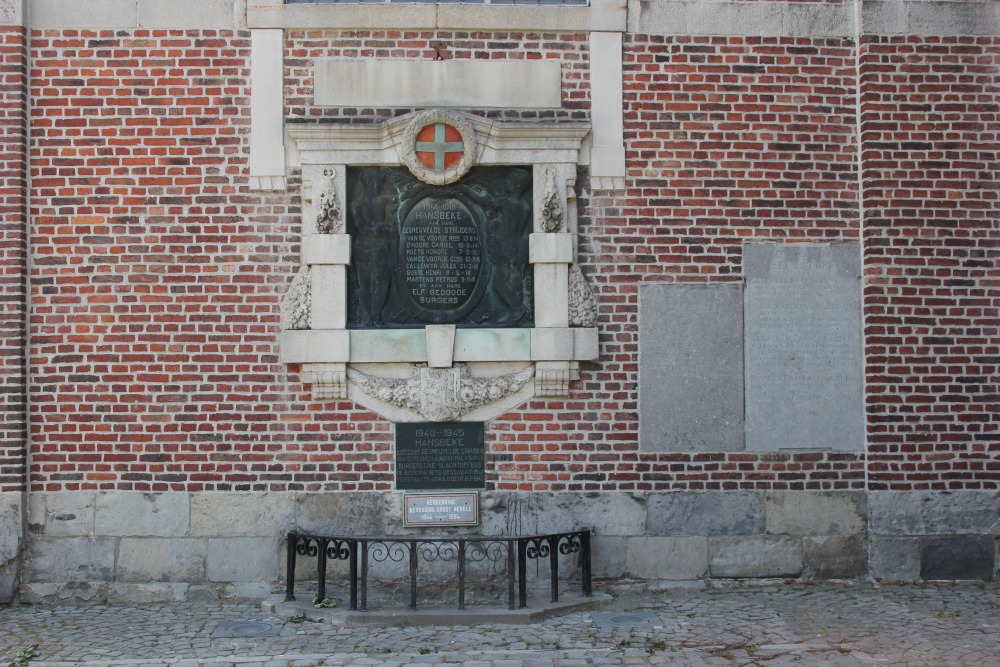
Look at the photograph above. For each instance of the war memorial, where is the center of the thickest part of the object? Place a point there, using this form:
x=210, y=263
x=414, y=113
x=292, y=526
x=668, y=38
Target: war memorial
x=714, y=281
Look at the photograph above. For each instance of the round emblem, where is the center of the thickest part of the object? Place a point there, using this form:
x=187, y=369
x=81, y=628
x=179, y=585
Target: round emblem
x=439, y=147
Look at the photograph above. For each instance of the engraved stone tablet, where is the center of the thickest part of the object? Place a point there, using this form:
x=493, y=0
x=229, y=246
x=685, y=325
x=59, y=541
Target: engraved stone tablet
x=802, y=352
x=690, y=368
x=446, y=455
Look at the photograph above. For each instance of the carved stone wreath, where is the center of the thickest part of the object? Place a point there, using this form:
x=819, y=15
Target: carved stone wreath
x=440, y=121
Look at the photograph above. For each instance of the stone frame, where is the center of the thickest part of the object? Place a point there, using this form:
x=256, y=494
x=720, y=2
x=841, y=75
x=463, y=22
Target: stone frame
x=392, y=369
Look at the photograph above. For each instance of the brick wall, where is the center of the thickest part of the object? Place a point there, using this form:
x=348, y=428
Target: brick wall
x=13, y=258
x=931, y=124
x=158, y=275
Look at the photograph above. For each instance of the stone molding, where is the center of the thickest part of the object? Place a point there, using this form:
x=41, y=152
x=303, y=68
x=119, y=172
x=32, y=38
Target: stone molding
x=813, y=19
x=324, y=153
x=604, y=15
x=179, y=14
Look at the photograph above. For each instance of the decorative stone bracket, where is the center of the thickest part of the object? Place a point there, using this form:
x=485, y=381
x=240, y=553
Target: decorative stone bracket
x=438, y=372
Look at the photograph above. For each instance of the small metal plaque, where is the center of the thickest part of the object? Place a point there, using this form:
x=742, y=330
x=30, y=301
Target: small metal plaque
x=440, y=509
x=440, y=455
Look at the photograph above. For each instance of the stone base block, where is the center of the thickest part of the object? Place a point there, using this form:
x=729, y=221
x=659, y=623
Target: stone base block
x=755, y=557
x=957, y=557
x=835, y=557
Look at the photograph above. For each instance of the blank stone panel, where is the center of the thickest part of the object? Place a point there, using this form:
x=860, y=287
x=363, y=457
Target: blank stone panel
x=803, y=347
x=690, y=368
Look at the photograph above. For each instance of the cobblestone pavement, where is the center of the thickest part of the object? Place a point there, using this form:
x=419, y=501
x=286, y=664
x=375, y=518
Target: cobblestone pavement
x=842, y=625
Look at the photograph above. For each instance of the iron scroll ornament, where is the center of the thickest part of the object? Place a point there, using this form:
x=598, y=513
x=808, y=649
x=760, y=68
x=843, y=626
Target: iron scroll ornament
x=467, y=241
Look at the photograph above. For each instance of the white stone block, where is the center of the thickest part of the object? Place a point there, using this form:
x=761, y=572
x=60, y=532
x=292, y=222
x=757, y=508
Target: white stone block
x=552, y=344
x=551, y=295
x=329, y=297
x=385, y=346
x=320, y=347
x=496, y=345
x=135, y=514
x=70, y=513
x=64, y=559
x=440, y=343
x=326, y=249
x=225, y=514
x=586, y=345
x=550, y=248
x=509, y=84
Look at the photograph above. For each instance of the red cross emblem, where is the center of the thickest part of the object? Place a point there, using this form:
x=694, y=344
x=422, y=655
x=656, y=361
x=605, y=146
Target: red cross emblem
x=439, y=147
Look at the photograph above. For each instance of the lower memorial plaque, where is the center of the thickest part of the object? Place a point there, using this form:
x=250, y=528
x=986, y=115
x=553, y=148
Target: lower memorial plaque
x=440, y=455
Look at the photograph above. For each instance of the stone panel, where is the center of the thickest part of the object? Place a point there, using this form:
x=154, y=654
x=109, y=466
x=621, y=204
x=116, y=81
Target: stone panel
x=930, y=513
x=956, y=557
x=608, y=556
x=835, y=557
x=242, y=514
x=710, y=513
x=63, y=559
x=142, y=514
x=668, y=557
x=243, y=559
x=895, y=558
x=737, y=557
x=809, y=513
x=802, y=347
x=690, y=368
x=161, y=559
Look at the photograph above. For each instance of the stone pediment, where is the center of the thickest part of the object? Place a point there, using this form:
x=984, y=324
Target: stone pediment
x=384, y=304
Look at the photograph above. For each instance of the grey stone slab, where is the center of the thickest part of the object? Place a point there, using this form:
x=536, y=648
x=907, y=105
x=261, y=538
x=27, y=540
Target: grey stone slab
x=64, y=559
x=884, y=17
x=957, y=557
x=709, y=513
x=739, y=557
x=819, y=19
x=953, y=18
x=608, y=556
x=12, y=12
x=243, y=559
x=763, y=19
x=690, y=368
x=242, y=514
x=930, y=513
x=895, y=558
x=98, y=14
x=835, y=557
x=351, y=513
x=674, y=558
x=816, y=513
x=135, y=514
x=211, y=14
x=802, y=347
x=606, y=513
x=161, y=559
x=70, y=513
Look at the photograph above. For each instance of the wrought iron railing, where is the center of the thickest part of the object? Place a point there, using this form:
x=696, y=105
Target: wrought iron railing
x=514, y=552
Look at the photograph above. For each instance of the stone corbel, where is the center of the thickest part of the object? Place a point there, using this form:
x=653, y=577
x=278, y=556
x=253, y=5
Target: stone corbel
x=329, y=381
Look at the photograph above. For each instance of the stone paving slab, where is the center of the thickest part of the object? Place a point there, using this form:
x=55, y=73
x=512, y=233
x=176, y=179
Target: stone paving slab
x=836, y=625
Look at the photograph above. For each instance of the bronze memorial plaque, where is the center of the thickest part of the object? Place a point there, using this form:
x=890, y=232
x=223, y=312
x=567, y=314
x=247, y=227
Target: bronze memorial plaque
x=428, y=254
